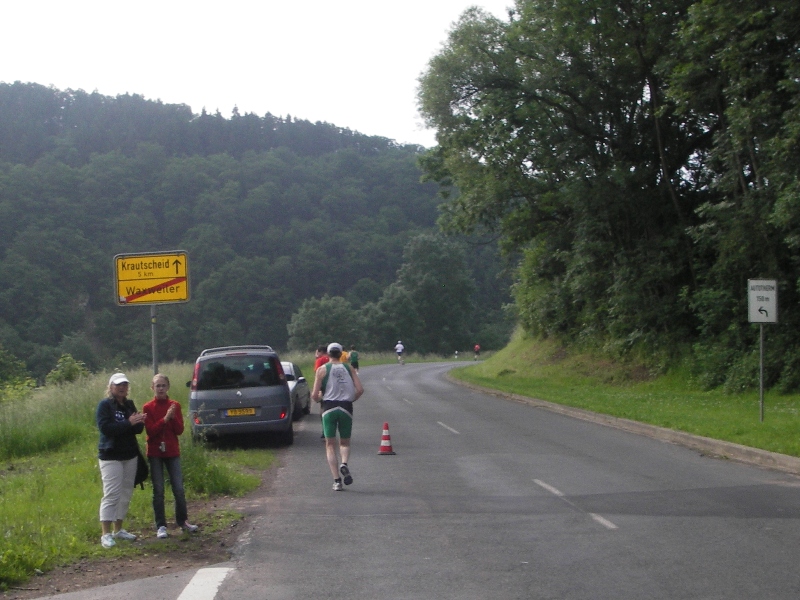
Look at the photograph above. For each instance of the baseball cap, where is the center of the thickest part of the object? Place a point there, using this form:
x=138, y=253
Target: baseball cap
x=334, y=346
x=118, y=378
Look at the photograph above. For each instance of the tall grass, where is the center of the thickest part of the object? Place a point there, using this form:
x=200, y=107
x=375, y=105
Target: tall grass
x=50, y=485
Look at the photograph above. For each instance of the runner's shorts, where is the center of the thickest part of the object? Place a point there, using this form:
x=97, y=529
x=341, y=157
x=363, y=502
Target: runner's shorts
x=335, y=415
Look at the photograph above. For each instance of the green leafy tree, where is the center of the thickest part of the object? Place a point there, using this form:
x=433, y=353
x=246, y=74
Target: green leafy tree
x=555, y=129
x=440, y=288
x=322, y=321
x=14, y=376
x=393, y=317
x=736, y=72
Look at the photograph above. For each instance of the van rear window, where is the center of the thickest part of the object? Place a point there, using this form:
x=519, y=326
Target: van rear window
x=235, y=372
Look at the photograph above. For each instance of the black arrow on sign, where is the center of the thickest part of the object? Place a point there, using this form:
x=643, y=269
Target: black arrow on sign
x=177, y=264
x=763, y=311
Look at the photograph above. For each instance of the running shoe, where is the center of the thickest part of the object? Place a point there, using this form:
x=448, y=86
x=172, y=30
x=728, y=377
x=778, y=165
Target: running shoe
x=162, y=533
x=107, y=540
x=123, y=535
x=348, y=479
x=188, y=527
x=337, y=486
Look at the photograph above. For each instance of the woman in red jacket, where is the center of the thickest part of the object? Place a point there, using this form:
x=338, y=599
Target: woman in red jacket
x=164, y=423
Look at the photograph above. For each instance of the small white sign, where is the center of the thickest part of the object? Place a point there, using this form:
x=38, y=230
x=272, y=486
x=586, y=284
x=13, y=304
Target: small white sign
x=762, y=300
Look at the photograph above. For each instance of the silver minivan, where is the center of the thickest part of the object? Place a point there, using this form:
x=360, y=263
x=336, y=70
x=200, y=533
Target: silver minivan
x=240, y=390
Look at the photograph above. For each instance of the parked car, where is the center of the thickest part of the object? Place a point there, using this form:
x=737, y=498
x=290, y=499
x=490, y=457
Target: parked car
x=240, y=390
x=298, y=388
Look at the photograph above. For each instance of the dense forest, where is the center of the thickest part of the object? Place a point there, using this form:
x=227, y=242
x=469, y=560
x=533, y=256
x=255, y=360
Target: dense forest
x=275, y=214
x=643, y=157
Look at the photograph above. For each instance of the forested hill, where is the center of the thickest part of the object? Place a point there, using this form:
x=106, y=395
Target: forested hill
x=72, y=125
x=272, y=211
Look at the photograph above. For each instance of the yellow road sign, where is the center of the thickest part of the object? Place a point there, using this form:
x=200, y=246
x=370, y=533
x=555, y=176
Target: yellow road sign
x=152, y=278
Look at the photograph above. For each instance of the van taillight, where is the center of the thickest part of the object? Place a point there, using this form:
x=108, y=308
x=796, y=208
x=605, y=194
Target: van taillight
x=195, y=376
x=279, y=371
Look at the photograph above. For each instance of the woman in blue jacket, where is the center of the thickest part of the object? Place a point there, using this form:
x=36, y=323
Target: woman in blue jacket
x=119, y=422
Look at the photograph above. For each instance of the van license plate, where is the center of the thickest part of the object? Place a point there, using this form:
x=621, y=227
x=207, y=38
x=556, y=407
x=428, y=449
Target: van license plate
x=240, y=412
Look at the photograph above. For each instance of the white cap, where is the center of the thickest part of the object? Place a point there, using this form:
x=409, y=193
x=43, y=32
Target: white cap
x=334, y=346
x=118, y=378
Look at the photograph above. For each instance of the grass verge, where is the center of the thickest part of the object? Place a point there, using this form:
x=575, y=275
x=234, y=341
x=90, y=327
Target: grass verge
x=540, y=369
x=50, y=485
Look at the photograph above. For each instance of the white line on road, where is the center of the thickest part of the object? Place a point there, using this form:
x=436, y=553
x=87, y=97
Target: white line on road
x=407, y=400
x=601, y=520
x=549, y=488
x=448, y=428
x=204, y=584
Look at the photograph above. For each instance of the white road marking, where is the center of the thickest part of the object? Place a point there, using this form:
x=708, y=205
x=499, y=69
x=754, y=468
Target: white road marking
x=407, y=400
x=448, y=428
x=597, y=518
x=204, y=584
x=603, y=521
x=549, y=488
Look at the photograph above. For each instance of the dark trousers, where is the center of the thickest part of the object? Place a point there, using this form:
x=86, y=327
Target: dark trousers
x=173, y=466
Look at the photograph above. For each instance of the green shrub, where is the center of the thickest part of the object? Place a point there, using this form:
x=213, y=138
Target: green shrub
x=67, y=370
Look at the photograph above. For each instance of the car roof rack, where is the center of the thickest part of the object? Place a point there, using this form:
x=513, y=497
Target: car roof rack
x=231, y=348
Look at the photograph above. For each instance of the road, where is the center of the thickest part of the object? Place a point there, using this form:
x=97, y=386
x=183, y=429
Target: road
x=487, y=498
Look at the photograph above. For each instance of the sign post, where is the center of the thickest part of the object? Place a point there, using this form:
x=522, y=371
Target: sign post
x=762, y=307
x=152, y=278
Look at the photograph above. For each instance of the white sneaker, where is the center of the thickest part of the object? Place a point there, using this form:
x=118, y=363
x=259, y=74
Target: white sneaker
x=337, y=486
x=107, y=540
x=189, y=527
x=162, y=532
x=123, y=535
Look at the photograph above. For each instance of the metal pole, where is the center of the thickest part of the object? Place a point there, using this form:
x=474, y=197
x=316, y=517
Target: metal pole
x=761, y=373
x=153, y=334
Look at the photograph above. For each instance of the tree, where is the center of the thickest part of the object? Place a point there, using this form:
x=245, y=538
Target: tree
x=440, y=289
x=322, y=321
x=555, y=130
x=736, y=71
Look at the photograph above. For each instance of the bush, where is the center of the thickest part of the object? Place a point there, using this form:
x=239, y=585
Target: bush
x=67, y=370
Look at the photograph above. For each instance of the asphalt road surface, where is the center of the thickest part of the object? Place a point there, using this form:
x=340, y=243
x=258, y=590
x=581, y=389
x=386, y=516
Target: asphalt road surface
x=488, y=498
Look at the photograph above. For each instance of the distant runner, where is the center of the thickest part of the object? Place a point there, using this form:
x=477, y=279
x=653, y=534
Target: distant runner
x=399, y=348
x=354, y=358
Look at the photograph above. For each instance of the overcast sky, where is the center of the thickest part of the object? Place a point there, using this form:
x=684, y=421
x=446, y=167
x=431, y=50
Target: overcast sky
x=353, y=63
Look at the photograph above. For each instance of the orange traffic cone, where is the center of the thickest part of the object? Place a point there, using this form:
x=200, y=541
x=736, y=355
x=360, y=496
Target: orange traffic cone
x=386, y=441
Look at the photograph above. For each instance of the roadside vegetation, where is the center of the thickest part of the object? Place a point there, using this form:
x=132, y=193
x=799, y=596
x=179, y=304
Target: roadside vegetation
x=50, y=485
x=676, y=399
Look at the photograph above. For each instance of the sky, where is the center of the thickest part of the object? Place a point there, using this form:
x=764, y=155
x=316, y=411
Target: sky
x=352, y=63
